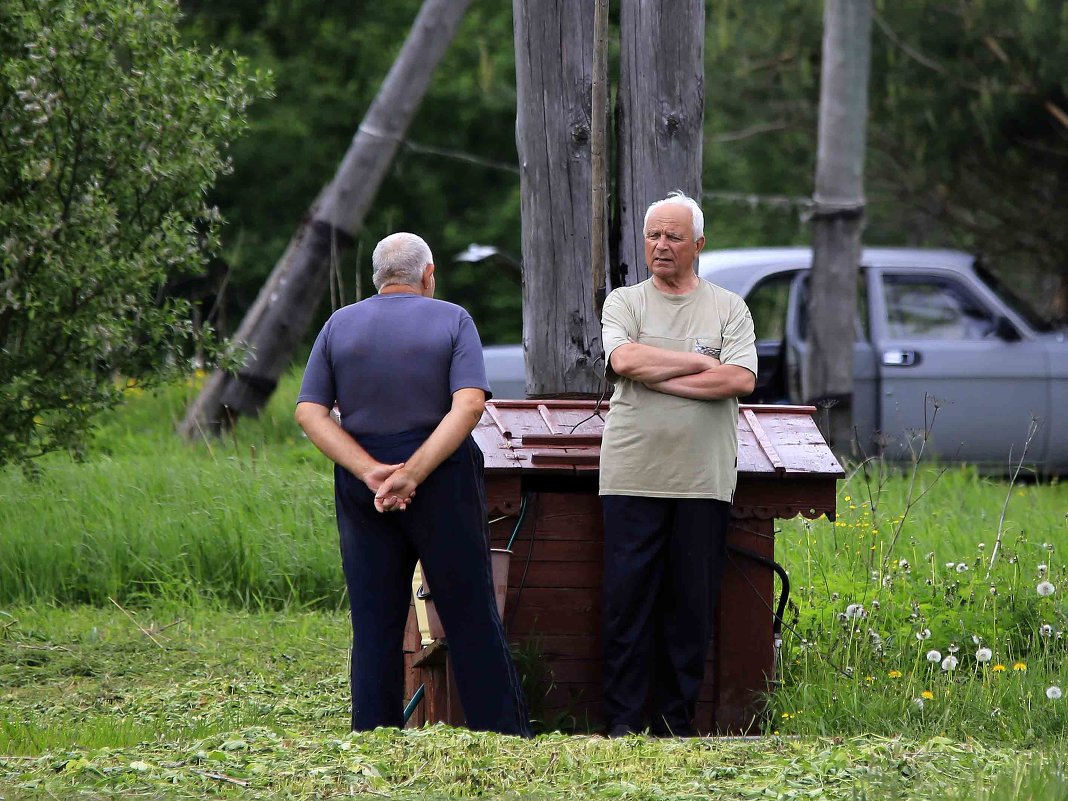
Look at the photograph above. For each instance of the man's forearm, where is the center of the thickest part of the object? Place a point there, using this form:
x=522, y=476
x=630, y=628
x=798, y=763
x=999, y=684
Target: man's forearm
x=334, y=441
x=442, y=443
x=648, y=364
x=716, y=383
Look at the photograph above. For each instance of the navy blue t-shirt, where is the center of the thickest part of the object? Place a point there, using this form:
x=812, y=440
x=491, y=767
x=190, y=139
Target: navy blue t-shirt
x=392, y=363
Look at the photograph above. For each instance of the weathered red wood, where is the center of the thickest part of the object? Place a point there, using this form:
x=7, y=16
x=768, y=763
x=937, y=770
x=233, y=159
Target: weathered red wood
x=744, y=651
x=412, y=678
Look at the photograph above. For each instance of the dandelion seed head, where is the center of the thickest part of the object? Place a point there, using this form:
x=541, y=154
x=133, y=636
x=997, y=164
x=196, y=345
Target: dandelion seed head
x=949, y=663
x=1045, y=589
x=984, y=655
x=982, y=546
x=903, y=564
x=951, y=565
x=855, y=610
x=934, y=656
x=961, y=567
x=1053, y=693
x=1045, y=630
x=953, y=648
x=918, y=702
x=1043, y=569
x=923, y=634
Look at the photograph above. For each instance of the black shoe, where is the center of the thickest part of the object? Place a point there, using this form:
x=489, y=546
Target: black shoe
x=621, y=730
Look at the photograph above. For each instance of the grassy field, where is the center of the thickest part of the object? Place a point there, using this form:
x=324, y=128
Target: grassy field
x=225, y=670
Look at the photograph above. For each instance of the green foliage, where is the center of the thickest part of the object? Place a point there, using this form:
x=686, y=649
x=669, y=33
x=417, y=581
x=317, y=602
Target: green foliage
x=330, y=60
x=111, y=134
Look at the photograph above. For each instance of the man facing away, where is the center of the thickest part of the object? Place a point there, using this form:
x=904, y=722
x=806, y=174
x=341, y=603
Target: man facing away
x=407, y=375
x=681, y=351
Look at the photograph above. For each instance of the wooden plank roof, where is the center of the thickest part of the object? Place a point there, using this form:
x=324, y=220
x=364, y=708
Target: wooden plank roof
x=564, y=436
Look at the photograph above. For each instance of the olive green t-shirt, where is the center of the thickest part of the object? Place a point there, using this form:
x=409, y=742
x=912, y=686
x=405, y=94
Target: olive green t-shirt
x=659, y=445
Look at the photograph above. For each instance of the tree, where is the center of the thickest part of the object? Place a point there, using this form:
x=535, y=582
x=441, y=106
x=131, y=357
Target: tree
x=282, y=313
x=838, y=212
x=111, y=132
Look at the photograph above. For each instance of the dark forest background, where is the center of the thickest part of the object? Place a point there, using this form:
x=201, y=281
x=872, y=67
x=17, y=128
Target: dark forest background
x=968, y=139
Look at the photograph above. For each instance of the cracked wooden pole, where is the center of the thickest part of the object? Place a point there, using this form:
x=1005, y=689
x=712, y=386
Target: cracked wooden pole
x=561, y=332
x=838, y=216
x=660, y=118
x=598, y=150
x=279, y=318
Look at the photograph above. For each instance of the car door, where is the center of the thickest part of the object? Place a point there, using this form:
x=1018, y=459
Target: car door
x=865, y=373
x=947, y=365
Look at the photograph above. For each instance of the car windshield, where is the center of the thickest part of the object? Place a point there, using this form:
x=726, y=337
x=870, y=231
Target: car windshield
x=1014, y=301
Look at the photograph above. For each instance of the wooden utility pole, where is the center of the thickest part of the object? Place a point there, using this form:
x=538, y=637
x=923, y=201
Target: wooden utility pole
x=281, y=314
x=660, y=117
x=838, y=217
x=561, y=333
x=599, y=151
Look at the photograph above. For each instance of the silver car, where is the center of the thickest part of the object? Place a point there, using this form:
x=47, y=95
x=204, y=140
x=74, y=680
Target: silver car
x=934, y=329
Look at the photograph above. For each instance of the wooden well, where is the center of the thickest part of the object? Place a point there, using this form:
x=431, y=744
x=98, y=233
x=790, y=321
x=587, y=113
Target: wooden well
x=548, y=451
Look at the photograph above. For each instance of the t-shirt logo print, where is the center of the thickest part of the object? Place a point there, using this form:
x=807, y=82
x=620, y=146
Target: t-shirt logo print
x=705, y=348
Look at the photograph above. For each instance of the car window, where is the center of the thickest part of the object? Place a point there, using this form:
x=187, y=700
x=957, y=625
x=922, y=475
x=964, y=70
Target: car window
x=927, y=307
x=767, y=303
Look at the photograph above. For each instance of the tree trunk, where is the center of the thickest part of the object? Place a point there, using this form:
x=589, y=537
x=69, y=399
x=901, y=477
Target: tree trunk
x=282, y=312
x=561, y=335
x=838, y=214
x=660, y=122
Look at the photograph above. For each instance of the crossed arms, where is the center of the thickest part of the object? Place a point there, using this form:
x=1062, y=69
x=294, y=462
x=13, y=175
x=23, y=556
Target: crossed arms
x=393, y=484
x=687, y=375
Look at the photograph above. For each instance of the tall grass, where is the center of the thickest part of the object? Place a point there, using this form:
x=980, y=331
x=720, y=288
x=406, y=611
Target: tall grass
x=248, y=520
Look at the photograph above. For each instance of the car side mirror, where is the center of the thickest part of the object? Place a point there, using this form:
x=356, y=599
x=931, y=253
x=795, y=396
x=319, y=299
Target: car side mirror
x=1006, y=330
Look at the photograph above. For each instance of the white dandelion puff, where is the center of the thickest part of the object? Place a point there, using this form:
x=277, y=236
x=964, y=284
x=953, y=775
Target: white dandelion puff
x=934, y=656
x=949, y=663
x=1045, y=589
x=854, y=610
x=1053, y=693
x=984, y=655
x=961, y=567
x=918, y=702
x=923, y=634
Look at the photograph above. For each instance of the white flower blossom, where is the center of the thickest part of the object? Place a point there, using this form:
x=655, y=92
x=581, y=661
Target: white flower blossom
x=949, y=663
x=984, y=655
x=1045, y=589
x=934, y=656
x=1053, y=693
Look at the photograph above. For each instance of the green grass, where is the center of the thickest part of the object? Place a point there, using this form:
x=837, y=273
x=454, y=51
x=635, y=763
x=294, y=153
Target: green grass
x=227, y=556
x=254, y=704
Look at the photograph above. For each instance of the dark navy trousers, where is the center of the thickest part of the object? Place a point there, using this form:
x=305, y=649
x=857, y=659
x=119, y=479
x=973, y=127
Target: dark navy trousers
x=663, y=564
x=445, y=527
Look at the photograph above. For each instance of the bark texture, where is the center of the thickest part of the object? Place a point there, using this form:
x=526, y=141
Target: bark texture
x=282, y=312
x=839, y=212
x=660, y=118
x=554, y=62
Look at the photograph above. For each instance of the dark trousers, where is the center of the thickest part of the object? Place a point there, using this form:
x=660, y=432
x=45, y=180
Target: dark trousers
x=663, y=563
x=445, y=527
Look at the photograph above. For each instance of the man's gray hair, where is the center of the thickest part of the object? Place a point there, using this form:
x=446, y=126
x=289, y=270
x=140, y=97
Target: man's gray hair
x=679, y=198
x=400, y=258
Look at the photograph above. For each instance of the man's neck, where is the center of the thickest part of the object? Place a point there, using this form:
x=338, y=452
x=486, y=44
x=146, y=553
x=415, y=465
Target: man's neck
x=680, y=286
x=399, y=289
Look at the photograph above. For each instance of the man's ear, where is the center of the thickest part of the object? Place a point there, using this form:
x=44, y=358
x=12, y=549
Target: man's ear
x=428, y=275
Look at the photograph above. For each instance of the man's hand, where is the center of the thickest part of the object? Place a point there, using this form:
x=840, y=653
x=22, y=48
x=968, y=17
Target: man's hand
x=374, y=477
x=395, y=492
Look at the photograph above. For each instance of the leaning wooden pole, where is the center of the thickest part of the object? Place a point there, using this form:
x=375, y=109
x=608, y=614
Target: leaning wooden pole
x=282, y=313
x=598, y=152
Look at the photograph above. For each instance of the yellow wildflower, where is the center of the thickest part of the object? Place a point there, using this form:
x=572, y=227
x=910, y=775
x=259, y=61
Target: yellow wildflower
x=927, y=694
x=894, y=674
x=1020, y=667
x=999, y=668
